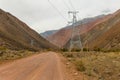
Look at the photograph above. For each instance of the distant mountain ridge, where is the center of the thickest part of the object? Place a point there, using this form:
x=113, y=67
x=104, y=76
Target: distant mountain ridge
x=61, y=37
x=48, y=33
x=97, y=32
x=84, y=21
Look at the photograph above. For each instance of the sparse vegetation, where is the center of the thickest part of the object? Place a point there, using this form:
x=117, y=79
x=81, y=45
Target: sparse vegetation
x=6, y=54
x=97, y=49
x=2, y=48
x=68, y=55
x=100, y=65
x=75, y=50
x=64, y=50
x=80, y=65
x=85, y=49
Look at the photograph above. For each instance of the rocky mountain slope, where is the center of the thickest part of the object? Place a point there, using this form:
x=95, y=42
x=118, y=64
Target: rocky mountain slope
x=62, y=37
x=48, y=33
x=15, y=34
x=99, y=32
x=105, y=35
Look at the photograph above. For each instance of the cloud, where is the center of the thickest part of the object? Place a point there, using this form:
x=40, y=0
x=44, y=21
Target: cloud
x=41, y=16
x=106, y=11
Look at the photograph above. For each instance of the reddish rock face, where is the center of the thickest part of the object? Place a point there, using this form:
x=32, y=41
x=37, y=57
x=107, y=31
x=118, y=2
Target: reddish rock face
x=17, y=35
x=61, y=37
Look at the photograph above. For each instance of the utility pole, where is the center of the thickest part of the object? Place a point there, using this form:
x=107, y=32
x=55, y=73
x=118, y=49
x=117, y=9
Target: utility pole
x=75, y=41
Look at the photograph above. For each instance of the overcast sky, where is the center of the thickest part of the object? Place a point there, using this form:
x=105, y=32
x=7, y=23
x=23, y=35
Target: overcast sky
x=41, y=16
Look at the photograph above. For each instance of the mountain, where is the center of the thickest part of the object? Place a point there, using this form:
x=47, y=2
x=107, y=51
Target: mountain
x=62, y=37
x=48, y=33
x=97, y=32
x=14, y=34
x=105, y=35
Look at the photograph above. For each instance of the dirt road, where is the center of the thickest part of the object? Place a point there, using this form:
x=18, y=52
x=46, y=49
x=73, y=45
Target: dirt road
x=46, y=66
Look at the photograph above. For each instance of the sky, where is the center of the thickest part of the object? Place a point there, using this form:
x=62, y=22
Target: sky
x=43, y=15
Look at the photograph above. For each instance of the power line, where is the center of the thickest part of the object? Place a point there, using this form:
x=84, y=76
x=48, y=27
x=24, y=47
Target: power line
x=57, y=10
x=71, y=4
x=73, y=7
x=66, y=5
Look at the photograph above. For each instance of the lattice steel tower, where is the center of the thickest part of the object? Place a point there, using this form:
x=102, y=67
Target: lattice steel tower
x=75, y=41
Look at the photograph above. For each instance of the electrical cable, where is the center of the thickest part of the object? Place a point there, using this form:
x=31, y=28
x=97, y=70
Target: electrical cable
x=57, y=9
x=66, y=5
x=73, y=7
x=71, y=4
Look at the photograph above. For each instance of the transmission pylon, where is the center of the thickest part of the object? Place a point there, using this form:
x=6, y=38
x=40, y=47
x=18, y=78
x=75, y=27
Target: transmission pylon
x=75, y=41
x=32, y=43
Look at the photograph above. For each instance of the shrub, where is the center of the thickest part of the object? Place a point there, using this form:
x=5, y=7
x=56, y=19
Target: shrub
x=68, y=55
x=97, y=49
x=85, y=49
x=76, y=50
x=1, y=53
x=80, y=66
x=2, y=48
x=64, y=50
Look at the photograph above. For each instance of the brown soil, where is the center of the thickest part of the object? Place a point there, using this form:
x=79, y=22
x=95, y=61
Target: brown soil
x=45, y=66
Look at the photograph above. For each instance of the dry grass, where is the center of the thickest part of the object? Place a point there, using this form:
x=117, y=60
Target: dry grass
x=8, y=55
x=102, y=66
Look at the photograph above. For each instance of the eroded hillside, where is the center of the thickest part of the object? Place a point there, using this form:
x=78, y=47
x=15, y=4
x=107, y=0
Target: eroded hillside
x=15, y=34
x=105, y=35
